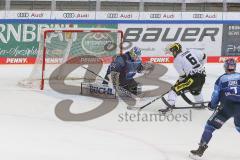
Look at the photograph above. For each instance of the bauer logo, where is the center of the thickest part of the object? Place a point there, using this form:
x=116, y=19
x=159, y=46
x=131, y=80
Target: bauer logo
x=23, y=14
x=167, y=34
x=95, y=43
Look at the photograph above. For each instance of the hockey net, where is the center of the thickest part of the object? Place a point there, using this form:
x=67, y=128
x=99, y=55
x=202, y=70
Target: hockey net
x=61, y=49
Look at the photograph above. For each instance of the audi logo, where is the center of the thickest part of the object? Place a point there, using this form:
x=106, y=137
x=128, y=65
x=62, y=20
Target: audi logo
x=198, y=15
x=155, y=15
x=112, y=15
x=23, y=15
x=68, y=15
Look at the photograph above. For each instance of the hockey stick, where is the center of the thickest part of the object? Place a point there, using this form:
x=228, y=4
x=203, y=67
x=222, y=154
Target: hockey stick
x=201, y=105
x=94, y=73
x=183, y=95
x=140, y=108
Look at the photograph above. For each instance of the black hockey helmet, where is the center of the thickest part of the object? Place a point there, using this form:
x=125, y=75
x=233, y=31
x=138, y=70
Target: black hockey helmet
x=175, y=48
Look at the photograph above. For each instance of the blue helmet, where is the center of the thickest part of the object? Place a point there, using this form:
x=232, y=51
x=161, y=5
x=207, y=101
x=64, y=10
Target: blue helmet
x=135, y=51
x=230, y=65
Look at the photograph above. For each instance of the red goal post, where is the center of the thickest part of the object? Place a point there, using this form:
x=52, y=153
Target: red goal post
x=58, y=45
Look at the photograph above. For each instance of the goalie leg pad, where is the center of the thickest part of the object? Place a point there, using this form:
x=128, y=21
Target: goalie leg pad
x=133, y=87
x=115, y=78
x=97, y=90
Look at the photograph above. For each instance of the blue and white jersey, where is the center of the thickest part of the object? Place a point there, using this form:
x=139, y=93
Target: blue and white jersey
x=126, y=66
x=227, y=87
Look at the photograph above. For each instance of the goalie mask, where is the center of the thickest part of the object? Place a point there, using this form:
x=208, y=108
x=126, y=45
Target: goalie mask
x=135, y=53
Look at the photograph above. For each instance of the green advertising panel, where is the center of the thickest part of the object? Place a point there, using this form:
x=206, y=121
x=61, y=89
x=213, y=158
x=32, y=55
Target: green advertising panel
x=22, y=40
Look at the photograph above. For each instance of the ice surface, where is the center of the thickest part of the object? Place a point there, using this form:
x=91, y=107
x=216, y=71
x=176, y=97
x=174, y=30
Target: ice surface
x=30, y=129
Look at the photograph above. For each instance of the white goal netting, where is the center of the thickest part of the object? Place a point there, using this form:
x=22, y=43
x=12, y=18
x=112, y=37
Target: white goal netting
x=61, y=51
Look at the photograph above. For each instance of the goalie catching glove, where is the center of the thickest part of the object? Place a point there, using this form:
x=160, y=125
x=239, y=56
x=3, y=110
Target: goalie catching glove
x=147, y=67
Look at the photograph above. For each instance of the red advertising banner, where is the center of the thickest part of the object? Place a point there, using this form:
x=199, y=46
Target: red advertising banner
x=106, y=60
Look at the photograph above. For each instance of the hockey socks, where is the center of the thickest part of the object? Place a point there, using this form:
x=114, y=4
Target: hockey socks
x=207, y=134
x=172, y=96
x=198, y=98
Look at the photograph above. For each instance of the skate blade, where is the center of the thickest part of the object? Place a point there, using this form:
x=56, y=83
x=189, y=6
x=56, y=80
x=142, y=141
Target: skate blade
x=166, y=111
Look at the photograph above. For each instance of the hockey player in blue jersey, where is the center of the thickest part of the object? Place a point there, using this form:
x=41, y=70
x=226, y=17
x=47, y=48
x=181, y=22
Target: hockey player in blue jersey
x=227, y=92
x=124, y=68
